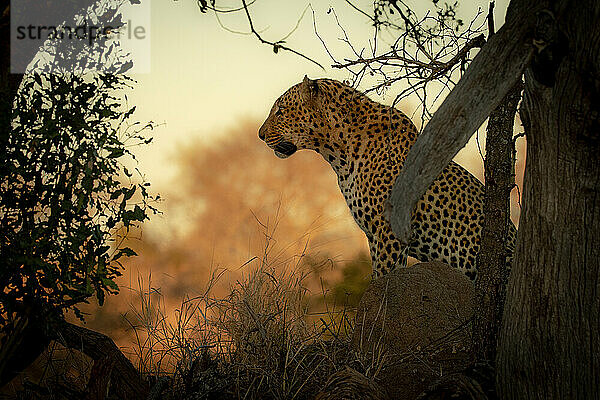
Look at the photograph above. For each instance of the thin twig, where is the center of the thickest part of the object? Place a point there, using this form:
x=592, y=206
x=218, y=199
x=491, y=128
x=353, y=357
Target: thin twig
x=276, y=45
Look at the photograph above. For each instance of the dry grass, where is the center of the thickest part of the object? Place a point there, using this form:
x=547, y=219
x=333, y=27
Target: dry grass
x=260, y=341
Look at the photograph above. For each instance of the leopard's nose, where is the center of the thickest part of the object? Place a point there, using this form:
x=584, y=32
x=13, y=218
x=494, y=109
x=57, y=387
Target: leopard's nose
x=261, y=133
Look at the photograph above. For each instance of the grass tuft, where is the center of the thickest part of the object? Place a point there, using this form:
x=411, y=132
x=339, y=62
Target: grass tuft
x=261, y=341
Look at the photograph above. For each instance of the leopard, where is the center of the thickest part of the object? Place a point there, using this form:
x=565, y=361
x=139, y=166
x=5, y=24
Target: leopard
x=366, y=143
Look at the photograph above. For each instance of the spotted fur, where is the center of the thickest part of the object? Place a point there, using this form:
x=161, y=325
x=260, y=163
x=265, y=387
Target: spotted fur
x=366, y=143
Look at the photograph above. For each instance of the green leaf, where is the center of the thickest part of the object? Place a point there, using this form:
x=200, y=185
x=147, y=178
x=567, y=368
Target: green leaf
x=125, y=251
x=138, y=213
x=116, y=194
x=110, y=283
x=129, y=112
x=116, y=153
x=129, y=193
x=100, y=297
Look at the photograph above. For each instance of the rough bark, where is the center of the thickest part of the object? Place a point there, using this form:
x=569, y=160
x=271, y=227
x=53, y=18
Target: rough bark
x=100, y=376
x=550, y=332
x=492, y=257
x=550, y=339
x=493, y=72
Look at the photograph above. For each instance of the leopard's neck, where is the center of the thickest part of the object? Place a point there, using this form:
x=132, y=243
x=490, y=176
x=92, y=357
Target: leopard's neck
x=365, y=127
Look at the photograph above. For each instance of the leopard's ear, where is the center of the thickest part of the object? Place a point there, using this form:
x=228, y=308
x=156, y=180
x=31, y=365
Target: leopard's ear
x=309, y=88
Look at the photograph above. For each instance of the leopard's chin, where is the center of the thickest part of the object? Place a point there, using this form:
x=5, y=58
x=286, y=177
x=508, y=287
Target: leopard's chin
x=285, y=149
x=281, y=155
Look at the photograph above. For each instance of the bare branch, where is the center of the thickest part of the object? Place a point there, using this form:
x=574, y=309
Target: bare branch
x=490, y=19
x=297, y=24
x=319, y=36
x=430, y=49
x=437, y=69
x=276, y=45
x=228, y=10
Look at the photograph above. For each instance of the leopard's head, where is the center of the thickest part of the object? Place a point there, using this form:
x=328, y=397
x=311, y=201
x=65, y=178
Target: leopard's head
x=296, y=120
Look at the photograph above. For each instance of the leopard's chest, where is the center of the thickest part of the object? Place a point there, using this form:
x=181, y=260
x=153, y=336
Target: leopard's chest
x=365, y=190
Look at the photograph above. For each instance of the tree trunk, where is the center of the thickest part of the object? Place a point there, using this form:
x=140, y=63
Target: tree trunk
x=490, y=76
x=492, y=257
x=125, y=381
x=550, y=339
x=100, y=377
x=20, y=347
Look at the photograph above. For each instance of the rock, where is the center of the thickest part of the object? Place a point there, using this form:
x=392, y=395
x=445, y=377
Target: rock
x=412, y=327
x=475, y=383
x=349, y=384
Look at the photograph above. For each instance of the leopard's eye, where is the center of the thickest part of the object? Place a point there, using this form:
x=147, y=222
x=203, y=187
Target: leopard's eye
x=279, y=110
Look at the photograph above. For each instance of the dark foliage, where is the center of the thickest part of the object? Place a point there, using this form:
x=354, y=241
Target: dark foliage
x=67, y=198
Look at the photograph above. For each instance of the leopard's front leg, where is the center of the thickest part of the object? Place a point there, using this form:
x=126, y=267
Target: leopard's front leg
x=387, y=254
